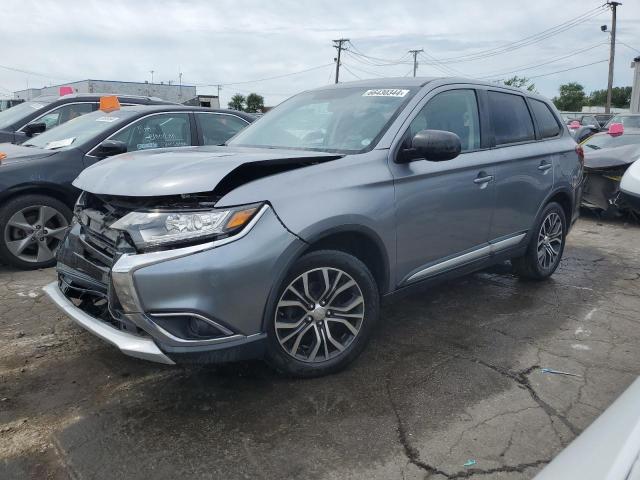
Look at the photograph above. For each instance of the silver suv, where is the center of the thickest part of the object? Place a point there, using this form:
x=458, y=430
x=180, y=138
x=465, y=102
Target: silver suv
x=281, y=243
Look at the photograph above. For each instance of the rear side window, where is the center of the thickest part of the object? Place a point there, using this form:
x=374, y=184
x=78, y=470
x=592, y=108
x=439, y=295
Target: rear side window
x=546, y=120
x=510, y=117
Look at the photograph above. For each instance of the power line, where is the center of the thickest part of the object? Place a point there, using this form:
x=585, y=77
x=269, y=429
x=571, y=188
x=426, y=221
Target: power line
x=29, y=72
x=529, y=40
x=628, y=46
x=568, y=69
x=347, y=69
x=529, y=66
x=262, y=79
x=369, y=72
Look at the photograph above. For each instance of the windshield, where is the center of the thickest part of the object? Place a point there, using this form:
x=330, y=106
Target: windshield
x=342, y=120
x=630, y=121
x=14, y=114
x=598, y=142
x=77, y=131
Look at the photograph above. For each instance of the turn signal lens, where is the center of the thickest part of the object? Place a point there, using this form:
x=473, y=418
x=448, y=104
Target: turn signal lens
x=2, y=156
x=238, y=219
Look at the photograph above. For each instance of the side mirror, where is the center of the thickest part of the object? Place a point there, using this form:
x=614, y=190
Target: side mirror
x=432, y=145
x=32, y=129
x=109, y=148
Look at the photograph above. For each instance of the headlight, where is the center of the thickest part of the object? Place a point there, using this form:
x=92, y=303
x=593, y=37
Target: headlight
x=151, y=229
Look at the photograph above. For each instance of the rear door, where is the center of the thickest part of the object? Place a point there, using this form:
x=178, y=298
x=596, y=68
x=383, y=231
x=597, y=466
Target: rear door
x=216, y=128
x=524, y=162
x=443, y=209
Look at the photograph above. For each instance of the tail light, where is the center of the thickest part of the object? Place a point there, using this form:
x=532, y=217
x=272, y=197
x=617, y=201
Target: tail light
x=580, y=152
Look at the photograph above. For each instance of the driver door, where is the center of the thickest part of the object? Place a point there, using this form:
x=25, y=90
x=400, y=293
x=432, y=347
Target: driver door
x=444, y=209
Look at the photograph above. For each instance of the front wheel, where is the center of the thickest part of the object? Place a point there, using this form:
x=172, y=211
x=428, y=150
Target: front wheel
x=545, y=246
x=327, y=307
x=31, y=230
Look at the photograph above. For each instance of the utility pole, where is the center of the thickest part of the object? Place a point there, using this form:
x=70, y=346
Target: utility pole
x=612, y=53
x=338, y=45
x=415, y=59
x=180, y=77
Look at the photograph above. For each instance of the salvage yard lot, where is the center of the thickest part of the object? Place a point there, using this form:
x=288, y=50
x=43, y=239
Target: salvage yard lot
x=452, y=375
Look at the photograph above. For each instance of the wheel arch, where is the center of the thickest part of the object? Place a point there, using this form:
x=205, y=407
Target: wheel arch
x=55, y=191
x=359, y=241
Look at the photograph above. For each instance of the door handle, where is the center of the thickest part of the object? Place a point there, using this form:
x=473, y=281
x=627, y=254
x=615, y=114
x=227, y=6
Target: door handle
x=543, y=167
x=481, y=180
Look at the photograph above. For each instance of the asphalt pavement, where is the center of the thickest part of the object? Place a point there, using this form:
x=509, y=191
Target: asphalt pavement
x=451, y=386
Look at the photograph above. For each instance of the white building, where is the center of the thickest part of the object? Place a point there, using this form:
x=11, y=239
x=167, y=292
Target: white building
x=165, y=91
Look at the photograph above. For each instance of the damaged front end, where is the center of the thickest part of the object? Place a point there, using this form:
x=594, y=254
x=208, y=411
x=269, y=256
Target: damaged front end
x=603, y=171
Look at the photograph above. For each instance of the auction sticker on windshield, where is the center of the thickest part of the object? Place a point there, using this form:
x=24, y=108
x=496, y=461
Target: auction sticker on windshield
x=385, y=92
x=60, y=143
x=106, y=119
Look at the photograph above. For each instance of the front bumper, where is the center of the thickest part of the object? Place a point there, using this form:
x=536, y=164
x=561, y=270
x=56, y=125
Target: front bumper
x=225, y=284
x=132, y=345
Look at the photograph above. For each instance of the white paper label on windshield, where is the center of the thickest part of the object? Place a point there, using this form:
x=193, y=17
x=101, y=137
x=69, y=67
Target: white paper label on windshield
x=106, y=119
x=60, y=143
x=385, y=92
x=36, y=106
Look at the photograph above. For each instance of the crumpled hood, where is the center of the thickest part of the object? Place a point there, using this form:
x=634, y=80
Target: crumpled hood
x=18, y=153
x=176, y=171
x=611, y=157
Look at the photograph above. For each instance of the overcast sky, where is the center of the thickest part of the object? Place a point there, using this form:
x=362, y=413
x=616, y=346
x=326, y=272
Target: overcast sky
x=227, y=41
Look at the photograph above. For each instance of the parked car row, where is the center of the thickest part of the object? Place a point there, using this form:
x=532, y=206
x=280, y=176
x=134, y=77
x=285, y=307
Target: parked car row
x=36, y=191
x=281, y=243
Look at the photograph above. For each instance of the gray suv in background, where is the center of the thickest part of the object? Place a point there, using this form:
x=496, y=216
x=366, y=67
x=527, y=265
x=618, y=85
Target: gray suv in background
x=281, y=243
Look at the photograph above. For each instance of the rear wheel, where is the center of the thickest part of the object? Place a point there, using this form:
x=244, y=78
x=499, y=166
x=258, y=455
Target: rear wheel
x=32, y=228
x=327, y=307
x=545, y=247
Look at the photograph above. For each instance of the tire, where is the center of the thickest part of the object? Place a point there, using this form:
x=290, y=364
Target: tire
x=24, y=242
x=326, y=344
x=538, y=263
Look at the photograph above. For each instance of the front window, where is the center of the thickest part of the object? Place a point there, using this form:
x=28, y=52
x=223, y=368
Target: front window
x=342, y=120
x=157, y=131
x=604, y=140
x=14, y=114
x=78, y=130
x=453, y=111
x=629, y=121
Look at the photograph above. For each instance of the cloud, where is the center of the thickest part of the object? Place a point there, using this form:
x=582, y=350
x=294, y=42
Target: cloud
x=233, y=41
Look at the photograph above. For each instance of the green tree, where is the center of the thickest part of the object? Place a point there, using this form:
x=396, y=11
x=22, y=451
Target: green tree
x=572, y=97
x=620, y=97
x=237, y=102
x=255, y=103
x=521, y=82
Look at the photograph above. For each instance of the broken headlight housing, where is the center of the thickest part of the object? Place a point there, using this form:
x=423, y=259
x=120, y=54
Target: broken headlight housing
x=163, y=228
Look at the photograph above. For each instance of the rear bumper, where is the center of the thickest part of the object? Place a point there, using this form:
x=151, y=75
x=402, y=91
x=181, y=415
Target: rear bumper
x=129, y=344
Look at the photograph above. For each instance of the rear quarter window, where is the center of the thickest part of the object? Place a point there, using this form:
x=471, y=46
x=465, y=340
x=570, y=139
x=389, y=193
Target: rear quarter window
x=510, y=117
x=547, y=122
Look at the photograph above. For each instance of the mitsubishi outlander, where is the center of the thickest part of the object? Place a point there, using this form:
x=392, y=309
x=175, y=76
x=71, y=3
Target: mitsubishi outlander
x=281, y=243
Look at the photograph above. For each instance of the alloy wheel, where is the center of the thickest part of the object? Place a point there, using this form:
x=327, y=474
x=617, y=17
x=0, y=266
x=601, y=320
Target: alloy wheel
x=550, y=240
x=319, y=315
x=33, y=234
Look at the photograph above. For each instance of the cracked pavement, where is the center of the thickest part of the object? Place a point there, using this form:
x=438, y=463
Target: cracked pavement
x=453, y=374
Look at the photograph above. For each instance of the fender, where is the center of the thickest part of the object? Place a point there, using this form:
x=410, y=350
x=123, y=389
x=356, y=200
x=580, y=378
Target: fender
x=66, y=195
